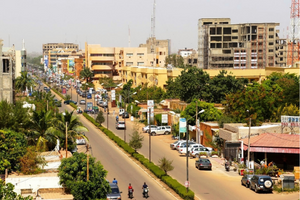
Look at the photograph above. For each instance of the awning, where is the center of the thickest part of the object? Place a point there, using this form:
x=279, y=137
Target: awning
x=274, y=150
x=143, y=110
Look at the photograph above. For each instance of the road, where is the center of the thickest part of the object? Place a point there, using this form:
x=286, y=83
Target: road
x=118, y=164
x=207, y=185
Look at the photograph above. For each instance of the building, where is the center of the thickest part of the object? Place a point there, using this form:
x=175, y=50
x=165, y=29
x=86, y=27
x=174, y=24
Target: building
x=20, y=65
x=7, y=72
x=49, y=46
x=238, y=46
x=186, y=52
x=110, y=61
x=152, y=42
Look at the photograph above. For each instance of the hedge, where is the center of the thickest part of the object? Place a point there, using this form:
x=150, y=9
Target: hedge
x=172, y=183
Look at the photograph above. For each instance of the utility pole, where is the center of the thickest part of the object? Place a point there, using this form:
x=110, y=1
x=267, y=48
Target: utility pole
x=66, y=139
x=47, y=104
x=187, y=157
x=87, y=164
x=150, y=134
x=249, y=142
x=197, y=122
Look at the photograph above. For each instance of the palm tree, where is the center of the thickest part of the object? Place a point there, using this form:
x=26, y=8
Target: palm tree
x=24, y=81
x=86, y=74
x=43, y=132
x=75, y=129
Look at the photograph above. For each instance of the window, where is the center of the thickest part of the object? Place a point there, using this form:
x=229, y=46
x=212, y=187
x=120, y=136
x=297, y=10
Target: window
x=140, y=54
x=234, y=30
x=270, y=50
x=140, y=63
x=271, y=43
x=271, y=36
x=234, y=37
x=129, y=54
x=129, y=63
x=271, y=29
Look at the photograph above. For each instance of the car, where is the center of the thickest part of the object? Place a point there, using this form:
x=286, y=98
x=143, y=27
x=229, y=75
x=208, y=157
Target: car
x=120, y=124
x=45, y=88
x=125, y=115
x=182, y=143
x=146, y=128
x=191, y=146
x=161, y=130
x=246, y=180
x=121, y=111
x=68, y=86
x=70, y=101
x=203, y=163
x=261, y=183
x=100, y=103
x=83, y=94
x=57, y=103
x=182, y=148
x=195, y=152
x=173, y=145
x=89, y=96
x=115, y=192
x=82, y=102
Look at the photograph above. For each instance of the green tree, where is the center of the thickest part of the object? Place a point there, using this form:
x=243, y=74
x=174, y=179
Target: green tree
x=24, y=81
x=165, y=164
x=221, y=85
x=68, y=97
x=7, y=192
x=211, y=113
x=75, y=128
x=260, y=102
x=108, y=82
x=291, y=110
x=100, y=118
x=174, y=60
x=12, y=148
x=154, y=93
x=172, y=87
x=136, y=139
x=86, y=74
x=73, y=176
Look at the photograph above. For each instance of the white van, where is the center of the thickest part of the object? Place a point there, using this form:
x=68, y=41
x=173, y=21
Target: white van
x=121, y=111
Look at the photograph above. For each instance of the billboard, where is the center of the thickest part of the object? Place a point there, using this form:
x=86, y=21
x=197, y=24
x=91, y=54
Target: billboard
x=45, y=62
x=150, y=105
x=71, y=66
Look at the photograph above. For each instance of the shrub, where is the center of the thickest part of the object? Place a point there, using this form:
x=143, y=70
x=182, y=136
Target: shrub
x=73, y=105
x=178, y=188
x=203, y=154
x=214, y=153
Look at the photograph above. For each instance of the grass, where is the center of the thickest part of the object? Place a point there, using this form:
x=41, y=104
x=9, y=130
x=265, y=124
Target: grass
x=278, y=189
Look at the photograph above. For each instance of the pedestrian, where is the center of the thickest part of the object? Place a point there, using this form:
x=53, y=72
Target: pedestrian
x=114, y=113
x=115, y=181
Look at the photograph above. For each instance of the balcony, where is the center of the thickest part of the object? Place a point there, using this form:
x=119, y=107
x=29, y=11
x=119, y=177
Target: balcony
x=102, y=58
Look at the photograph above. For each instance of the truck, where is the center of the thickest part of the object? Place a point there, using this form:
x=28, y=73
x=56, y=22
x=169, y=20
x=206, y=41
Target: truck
x=89, y=108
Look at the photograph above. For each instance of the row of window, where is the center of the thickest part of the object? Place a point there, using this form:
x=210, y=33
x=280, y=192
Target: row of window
x=131, y=54
x=104, y=55
x=131, y=63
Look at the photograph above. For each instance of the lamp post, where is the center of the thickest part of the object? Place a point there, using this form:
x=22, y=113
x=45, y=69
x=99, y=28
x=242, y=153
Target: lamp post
x=248, y=156
x=187, y=155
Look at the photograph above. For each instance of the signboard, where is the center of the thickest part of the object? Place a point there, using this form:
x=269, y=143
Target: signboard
x=182, y=125
x=71, y=66
x=187, y=184
x=251, y=165
x=120, y=98
x=113, y=95
x=190, y=128
x=150, y=105
x=291, y=121
x=64, y=91
x=164, y=118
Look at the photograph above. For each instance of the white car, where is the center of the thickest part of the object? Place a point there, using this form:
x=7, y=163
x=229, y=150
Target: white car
x=80, y=141
x=195, y=152
x=121, y=111
x=161, y=130
x=182, y=144
x=120, y=124
x=183, y=150
x=82, y=102
x=146, y=128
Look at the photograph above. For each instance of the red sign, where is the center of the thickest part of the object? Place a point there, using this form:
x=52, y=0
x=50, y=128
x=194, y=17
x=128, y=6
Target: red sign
x=187, y=184
x=64, y=91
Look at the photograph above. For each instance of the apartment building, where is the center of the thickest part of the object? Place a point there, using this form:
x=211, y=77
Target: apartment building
x=49, y=46
x=109, y=61
x=190, y=56
x=239, y=46
x=152, y=42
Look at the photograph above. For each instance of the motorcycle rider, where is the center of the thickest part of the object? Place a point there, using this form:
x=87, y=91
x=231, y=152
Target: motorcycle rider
x=145, y=186
x=130, y=188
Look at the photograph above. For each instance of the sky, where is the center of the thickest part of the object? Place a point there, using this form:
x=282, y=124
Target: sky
x=107, y=22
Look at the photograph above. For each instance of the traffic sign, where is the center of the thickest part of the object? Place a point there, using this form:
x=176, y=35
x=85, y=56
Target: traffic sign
x=187, y=184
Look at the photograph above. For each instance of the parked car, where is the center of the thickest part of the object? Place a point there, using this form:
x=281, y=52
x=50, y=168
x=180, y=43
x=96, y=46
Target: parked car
x=146, y=128
x=261, y=183
x=100, y=103
x=125, y=115
x=203, y=163
x=82, y=102
x=89, y=96
x=246, y=180
x=83, y=94
x=70, y=101
x=45, y=88
x=173, y=145
x=121, y=111
x=195, y=152
x=182, y=143
x=182, y=148
x=196, y=145
x=161, y=130
x=115, y=192
x=120, y=124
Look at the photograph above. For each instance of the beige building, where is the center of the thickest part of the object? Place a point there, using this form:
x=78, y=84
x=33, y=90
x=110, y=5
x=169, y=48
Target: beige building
x=110, y=61
x=239, y=46
x=152, y=42
x=49, y=46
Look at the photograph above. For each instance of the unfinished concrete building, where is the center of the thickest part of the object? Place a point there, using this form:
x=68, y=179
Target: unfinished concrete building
x=50, y=46
x=7, y=70
x=240, y=46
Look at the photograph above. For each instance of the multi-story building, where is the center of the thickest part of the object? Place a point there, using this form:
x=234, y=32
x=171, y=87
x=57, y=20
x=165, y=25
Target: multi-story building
x=152, y=42
x=109, y=61
x=190, y=56
x=225, y=45
x=7, y=72
x=49, y=46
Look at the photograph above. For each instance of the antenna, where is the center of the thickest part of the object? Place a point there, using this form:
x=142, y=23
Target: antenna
x=293, y=44
x=128, y=36
x=153, y=31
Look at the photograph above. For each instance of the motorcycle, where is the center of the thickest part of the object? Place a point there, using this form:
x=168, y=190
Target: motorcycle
x=145, y=192
x=227, y=166
x=130, y=193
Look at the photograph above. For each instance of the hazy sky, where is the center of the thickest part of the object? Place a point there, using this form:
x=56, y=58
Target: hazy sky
x=106, y=22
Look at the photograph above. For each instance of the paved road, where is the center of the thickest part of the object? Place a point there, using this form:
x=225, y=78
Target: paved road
x=118, y=165
x=215, y=184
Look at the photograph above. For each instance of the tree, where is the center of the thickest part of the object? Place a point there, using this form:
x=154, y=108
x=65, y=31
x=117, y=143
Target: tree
x=100, y=118
x=136, y=139
x=7, y=192
x=86, y=74
x=291, y=110
x=68, y=97
x=175, y=61
x=12, y=148
x=30, y=162
x=172, y=88
x=24, y=81
x=221, y=85
x=165, y=164
x=108, y=82
x=211, y=113
x=155, y=93
x=73, y=176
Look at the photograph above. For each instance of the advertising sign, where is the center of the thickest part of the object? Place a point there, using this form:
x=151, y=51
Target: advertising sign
x=64, y=91
x=150, y=105
x=182, y=125
x=291, y=121
x=120, y=98
x=71, y=66
x=113, y=95
x=164, y=118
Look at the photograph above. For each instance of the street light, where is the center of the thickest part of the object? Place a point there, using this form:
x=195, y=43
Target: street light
x=248, y=156
x=187, y=155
